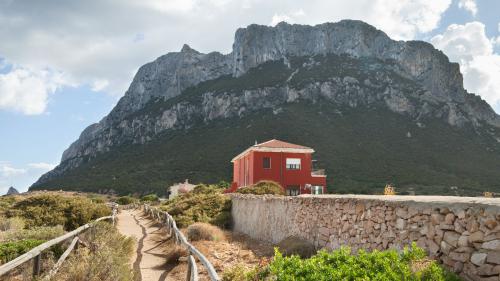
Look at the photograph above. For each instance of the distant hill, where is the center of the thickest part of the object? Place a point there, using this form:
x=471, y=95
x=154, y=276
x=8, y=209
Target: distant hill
x=375, y=110
x=12, y=191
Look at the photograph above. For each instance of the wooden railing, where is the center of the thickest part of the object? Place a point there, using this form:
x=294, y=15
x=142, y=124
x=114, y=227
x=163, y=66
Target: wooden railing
x=36, y=252
x=192, y=273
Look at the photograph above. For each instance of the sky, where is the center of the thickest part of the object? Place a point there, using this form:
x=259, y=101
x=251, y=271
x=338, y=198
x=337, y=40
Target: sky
x=64, y=64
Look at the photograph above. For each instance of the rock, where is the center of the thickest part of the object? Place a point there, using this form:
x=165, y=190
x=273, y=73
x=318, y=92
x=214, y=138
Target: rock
x=446, y=248
x=490, y=223
x=402, y=213
x=478, y=258
x=493, y=257
x=463, y=240
x=451, y=238
x=400, y=224
x=433, y=247
x=477, y=236
x=462, y=257
x=492, y=245
x=436, y=218
x=449, y=218
x=486, y=270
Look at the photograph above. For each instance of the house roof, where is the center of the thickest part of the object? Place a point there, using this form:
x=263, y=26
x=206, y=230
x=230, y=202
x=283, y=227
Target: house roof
x=275, y=146
x=280, y=144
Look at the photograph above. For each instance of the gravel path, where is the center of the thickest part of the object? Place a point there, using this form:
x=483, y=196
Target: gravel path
x=151, y=251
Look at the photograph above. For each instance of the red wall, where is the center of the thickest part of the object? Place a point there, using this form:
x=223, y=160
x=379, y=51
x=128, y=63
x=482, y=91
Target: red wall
x=250, y=166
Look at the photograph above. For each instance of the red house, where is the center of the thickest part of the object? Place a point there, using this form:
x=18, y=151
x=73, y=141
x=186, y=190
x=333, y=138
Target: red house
x=288, y=164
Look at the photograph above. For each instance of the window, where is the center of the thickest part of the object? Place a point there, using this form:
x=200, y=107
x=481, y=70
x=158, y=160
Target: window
x=316, y=189
x=293, y=163
x=266, y=163
x=292, y=190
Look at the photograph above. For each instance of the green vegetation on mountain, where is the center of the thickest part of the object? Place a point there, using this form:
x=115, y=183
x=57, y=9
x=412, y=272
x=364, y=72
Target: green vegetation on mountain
x=361, y=149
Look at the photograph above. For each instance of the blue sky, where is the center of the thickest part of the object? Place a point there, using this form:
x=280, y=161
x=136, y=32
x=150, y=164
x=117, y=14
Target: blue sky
x=65, y=64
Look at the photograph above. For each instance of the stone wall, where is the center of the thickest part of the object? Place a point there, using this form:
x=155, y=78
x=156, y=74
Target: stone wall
x=462, y=233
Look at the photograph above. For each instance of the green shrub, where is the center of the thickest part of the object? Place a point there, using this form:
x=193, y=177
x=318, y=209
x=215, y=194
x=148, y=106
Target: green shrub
x=342, y=265
x=389, y=265
x=52, y=210
x=150, y=198
x=11, y=250
x=205, y=203
x=263, y=187
x=125, y=200
x=106, y=260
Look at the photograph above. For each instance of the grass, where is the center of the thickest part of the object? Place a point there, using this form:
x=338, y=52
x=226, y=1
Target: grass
x=107, y=258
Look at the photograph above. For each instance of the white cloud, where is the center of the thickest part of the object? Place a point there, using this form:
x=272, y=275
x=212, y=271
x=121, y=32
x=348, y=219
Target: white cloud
x=469, y=5
x=289, y=18
x=9, y=171
x=27, y=91
x=21, y=176
x=42, y=166
x=480, y=65
x=95, y=43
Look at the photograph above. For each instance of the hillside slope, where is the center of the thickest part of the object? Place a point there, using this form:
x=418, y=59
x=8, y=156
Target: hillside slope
x=375, y=110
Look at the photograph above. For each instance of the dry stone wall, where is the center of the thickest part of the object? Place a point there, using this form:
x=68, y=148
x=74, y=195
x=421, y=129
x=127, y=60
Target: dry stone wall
x=462, y=233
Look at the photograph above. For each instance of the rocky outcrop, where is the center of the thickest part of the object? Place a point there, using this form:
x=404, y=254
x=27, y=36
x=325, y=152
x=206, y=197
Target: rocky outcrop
x=410, y=78
x=12, y=191
x=462, y=233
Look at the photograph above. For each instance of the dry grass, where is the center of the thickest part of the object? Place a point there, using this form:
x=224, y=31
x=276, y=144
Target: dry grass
x=204, y=231
x=296, y=246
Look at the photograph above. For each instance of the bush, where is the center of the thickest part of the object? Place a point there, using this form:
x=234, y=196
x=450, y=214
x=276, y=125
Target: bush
x=389, y=265
x=203, y=204
x=263, y=187
x=296, y=246
x=150, y=198
x=52, y=210
x=175, y=254
x=341, y=265
x=37, y=233
x=11, y=250
x=204, y=231
x=126, y=200
x=106, y=260
x=11, y=224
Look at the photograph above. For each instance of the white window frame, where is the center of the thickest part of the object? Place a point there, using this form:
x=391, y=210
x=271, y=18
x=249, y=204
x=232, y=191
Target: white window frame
x=293, y=163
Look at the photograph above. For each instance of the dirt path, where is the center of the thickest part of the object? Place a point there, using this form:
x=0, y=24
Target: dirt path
x=153, y=245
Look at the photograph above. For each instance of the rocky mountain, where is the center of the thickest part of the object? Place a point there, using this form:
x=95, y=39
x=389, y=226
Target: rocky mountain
x=12, y=191
x=329, y=76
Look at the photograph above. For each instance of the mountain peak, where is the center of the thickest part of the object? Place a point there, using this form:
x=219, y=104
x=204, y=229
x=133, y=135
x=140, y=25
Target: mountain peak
x=12, y=191
x=187, y=49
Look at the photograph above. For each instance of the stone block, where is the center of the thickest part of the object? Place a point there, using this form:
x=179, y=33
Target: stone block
x=478, y=258
x=451, y=238
x=477, y=236
x=493, y=257
x=492, y=245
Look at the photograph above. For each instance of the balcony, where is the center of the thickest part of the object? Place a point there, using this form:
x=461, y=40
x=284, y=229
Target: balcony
x=318, y=172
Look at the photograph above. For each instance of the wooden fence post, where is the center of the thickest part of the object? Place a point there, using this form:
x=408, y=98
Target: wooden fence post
x=37, y=264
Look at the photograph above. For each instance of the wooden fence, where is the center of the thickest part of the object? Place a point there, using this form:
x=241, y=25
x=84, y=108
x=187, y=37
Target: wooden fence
x=192, y=273
x=36, y=252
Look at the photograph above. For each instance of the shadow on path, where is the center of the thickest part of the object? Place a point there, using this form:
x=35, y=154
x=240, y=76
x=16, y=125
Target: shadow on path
x=140, y=245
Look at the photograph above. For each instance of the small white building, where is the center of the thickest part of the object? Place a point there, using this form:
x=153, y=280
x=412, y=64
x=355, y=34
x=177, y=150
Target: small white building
x=178, y=188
